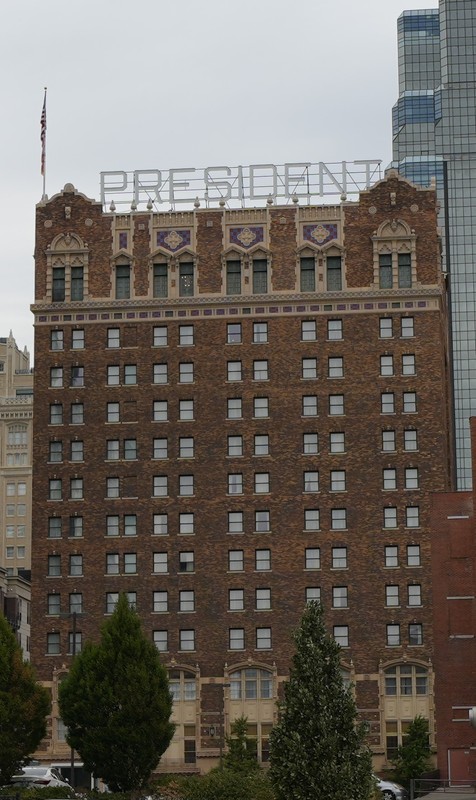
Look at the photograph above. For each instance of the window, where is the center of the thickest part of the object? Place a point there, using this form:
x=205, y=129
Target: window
x=53, y=604
x=308, y=274
x=186, y=279
x=56, y=414
x=261, y=407
x=112, y=412
x=390, y=517
x=411, y=478
x=335, y=367
x=236, y=639
x=262, y=482
x=56, y=340
x=159, y=285
x=393, y=635
x=233, y=333
x=235, y=522
x=414, y=594
x=55, y=489
x=334, y=273
x=77, y=283
x=77, y=413
x=75, y=565
x=336, y=404
x=53, y=644
x=341, y=635
x=186, y=447
x=186, y=523
x=234, y=371
x=309, y=405
x=160, y=525
x=186, y=485
x=76, y=451
x=130, y=374
x=391, y=555
x=160, y=563
x=407, y=329
x=404, y=270
x=130, y=525
x=389, y=478
x=263, y=638
x=186, y=335
x=339, y=558
x=77, y=339
x=234, y=408
x=392, y=595
x=130, y=563
x=54, y=566
x=123, y=281
x=260, y=332
x=340, y=597
x=309, y=368
x=235, y=446
x=235, y=483
x=409, y=402
x=186, y=372
x=260, y=371
x=311, y=481
x=313, y=593
x=385, y=271
x=54, y=528
x=236, y=599
x=161, y=641
x=112, y=525
x=308, y=330
x=112, y=563
x=112, y=487
x=310, y=444
x=251, y=684
x=55, y=453
x=75, y=527
x=388, y=441
x=187, y=640
x=112, y=599
x=386, y=327
x=236, y=560
x=410, y=439
x=186, y=410
x=262, y=560
x=76, y=489
x=337, y=442
x=130, y=449
x=415, y=634
x=76, y=603
x=338, y=480
x=113, y=375
x=311, y=519
x=160, y=486
x=160, y=374
x=112, y=449
x=387, y=403
x=408, y=364
x=412, y=516
x=413, y=555
x=10, y=552
x=160, y=411
x=406, y=680
x=58, y=284
x=160, y=602
x=262, y=521
x=160, y=338
x=260, y=276
x=113, y=337
x=160, y=448
x=233, y=277
x=312, y=558
x=186, y=561
x=338, y=519
x=56, y=377
x=386, y=365
x=334, y=329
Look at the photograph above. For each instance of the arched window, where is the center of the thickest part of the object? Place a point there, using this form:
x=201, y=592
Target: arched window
x=183, y=685
x=394, y=256
x=251, y=684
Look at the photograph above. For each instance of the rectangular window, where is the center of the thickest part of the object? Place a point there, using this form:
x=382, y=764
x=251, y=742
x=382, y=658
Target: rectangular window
x=391, y=555
x=58, y=285
x=260, y=371
x=310, y=443
x=160, y=486
x=186, y=410
x=113, y=337
x=160, y=338
x=234, y=371
x=393, y=635
x=263, y=638
x=186, y=561
x=186, y=523
x=334, y=273
x=130, y=449
x=409, y=402
x=160, y=287
x=313, y=594
x=112, y=598
x=77, y=413
x=235, y=483
x=54, y=566
x=390, y=517
x=311, y=519
x=112, y=525
x=56, y=414
x=234, y=408
x=233, y=277
x=233, y=333
x=308, y=330
x=53, y=643
x=389, y=478
x=75, y=565
x=407, y=329
x=112, y=449
x=186, y=372
x=236, y=560
x=262, y=560
x=338, y=480
x=112, y=563
x=186, y=485
x=55, y=489
x=56, y=340
x=339, y=558
x=335, y=367
x=113, y=375
x=415, y=634
x=123, y=281
x=311, y=481
x=408, y=364
x=334, y=329
x=336, y=404
x=387, y=403
x=77, y=339
x=410, y=440
x=160, y=523
x=337, y=442
x=261, y=482
x=236, y=639
x=338, y=519
x=187, y=640
x=404, y=270
x=130, y=525
x=385, y=271
x=235, y=446
x=312, y=558
x=76, y=451
x=160, y=374
x=54, y=528
x=414, y=594
x=412, y=516
x=386, y=366
x=53, y=604
x=341, y=635
x=75, y=527
x=160, y=411
x=413, y=555
x=260, y=276
x=392, y=597
x=186, y=447
x=161, y=641
x=112, y=412
x=187, y=600
x=388, y=441
x=55, y=453
x=160, y=448
x=340, y=597
x=130, y=374
x=308, y=274
x=112, y=487
x=236, y=599
x=261, y=407
x=186, y=335
x=260, y=332
x=56, y=377
x=76, y=603
x=386, y=327
x=160, y=563
x=309, y=405
x=160, y=602
x=77, y=283
x=411, y=478
x=235, y=522
x=309, y=368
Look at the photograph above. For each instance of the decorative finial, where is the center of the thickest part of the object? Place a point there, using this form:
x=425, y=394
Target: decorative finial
x=295, y=199
x=149, y=205
x=112, y=207
x=269, y=201
x=197, y=203
x=133, y=206
x=221, y=203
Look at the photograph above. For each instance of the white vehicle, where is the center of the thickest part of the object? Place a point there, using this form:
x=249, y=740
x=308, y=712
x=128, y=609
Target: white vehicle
x=390, y=790
x=39, y=776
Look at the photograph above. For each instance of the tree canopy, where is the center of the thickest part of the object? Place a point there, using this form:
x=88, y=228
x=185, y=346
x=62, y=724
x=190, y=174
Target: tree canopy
x=317, y=746
x=24, y=706
x=116, y=703
x=241, y=755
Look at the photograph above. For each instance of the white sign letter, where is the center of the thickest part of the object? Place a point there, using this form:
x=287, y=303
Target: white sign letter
x=180, y=185
x=269, y=189
x=116, y=186
x=223, y=188
x=293, y=181
x=151, y=190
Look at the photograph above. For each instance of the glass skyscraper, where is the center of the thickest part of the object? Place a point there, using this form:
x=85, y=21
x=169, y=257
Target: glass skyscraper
x=434, y=136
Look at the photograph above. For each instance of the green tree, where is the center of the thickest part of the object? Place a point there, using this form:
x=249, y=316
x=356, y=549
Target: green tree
x=117, y=705
x=317, y=746
x=241, y=755
x=413, y=755
x=24, y=705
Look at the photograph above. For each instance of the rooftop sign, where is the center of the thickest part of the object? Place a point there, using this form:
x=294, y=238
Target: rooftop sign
x=236, y=187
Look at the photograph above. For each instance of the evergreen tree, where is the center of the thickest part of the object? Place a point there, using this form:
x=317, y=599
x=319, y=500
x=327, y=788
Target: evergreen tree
x=117, y=705
x=24, y=705
x=317, y=750
x=241, y=755
x=413, y=756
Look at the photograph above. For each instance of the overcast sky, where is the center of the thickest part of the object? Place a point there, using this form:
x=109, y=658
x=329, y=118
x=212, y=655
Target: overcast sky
x=156, y=85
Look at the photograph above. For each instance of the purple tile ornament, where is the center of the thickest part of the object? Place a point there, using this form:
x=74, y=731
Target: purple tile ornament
x=320, y=234
x=247, y=236
x=123, y=240
x=173, y=240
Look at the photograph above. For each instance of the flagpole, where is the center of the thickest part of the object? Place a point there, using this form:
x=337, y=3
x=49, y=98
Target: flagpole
x=43, y=143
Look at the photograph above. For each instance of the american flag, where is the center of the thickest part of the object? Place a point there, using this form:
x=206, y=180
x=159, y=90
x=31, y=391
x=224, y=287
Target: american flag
x=43, y=136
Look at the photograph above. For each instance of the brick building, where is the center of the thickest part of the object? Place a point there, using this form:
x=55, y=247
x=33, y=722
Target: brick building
x=236, y=411
x=454, y=592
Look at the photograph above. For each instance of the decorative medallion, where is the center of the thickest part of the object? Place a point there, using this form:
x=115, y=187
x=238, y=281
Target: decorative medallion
x=372, y=210
x=320, y=234
x=172, y=239
x=247, y=236
x=414, y=208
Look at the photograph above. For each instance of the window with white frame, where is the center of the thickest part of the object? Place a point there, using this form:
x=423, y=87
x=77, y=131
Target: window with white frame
x=312, y=558
x=341, y=635
x=186, y=410
x=308, y=330
x=236, y=560
x=186, y=372
x=310, y=443
x=261, y=407
x=389, y=478
x=386, y=327
x=334, y=329
x=234, y=371
x=309, y=368
x=235, y=483
x=236, y=599
x=391, y=555
x=392, y=595
x=160, y=336
x=260, y=332
x=160, y=524
x=389, y=441
x=309, y=405
x=412, y=516
x=390, y=517
x=339, y=558
x=261, y=482
x=336, y=404
x=338, y=519
x=262, y=521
